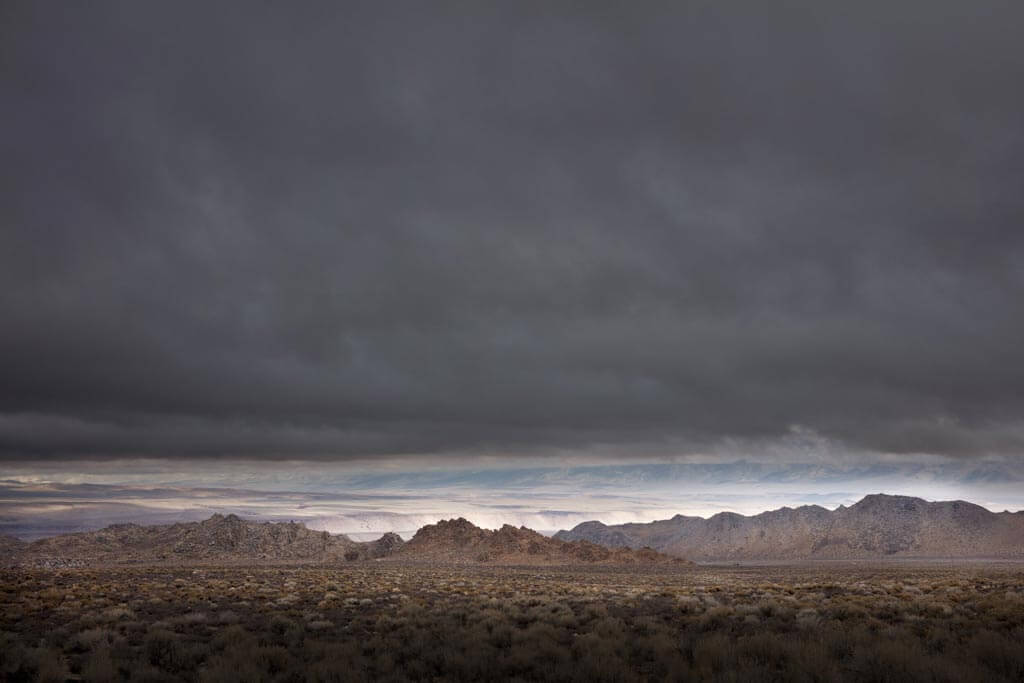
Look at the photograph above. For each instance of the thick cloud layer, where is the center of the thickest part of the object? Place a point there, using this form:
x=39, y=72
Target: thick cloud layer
x=339, y=229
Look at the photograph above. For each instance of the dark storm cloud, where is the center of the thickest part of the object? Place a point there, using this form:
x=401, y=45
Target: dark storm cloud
x=342, y=228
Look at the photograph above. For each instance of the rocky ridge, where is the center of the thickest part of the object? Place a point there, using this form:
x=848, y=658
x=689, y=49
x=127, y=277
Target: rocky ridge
x=458, y=541
x=219, y=539
x=232, y=540
x=877, y=526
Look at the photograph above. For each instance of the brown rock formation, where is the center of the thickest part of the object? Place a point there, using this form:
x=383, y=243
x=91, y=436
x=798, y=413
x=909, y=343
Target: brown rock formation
x=458, y=541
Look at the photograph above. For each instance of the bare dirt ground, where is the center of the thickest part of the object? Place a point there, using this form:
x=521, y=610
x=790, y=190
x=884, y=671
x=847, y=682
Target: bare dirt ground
x=377, y=621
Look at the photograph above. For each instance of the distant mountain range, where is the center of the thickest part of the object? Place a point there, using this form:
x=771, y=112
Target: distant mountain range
x=877, y=526
x=231, y=540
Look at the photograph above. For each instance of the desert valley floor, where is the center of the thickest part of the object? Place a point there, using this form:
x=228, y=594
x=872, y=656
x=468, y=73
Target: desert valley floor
x=897, y=621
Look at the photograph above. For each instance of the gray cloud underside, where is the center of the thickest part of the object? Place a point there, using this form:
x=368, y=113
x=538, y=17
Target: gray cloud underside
x=346, y=229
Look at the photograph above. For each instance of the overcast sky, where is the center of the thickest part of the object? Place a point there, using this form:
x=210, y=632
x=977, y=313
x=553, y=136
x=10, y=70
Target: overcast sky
x=342, y=231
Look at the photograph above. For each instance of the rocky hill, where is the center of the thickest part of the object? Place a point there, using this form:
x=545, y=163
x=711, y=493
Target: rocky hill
x=877, y=526
x=231, y=540
x=458, y=541
x=219, y=539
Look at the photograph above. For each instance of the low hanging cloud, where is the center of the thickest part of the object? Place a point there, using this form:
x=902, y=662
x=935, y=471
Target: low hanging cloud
x=343, y=231
x=368, y=502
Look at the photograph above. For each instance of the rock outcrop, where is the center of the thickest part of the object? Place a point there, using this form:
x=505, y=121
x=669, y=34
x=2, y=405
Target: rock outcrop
x=458, y=541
